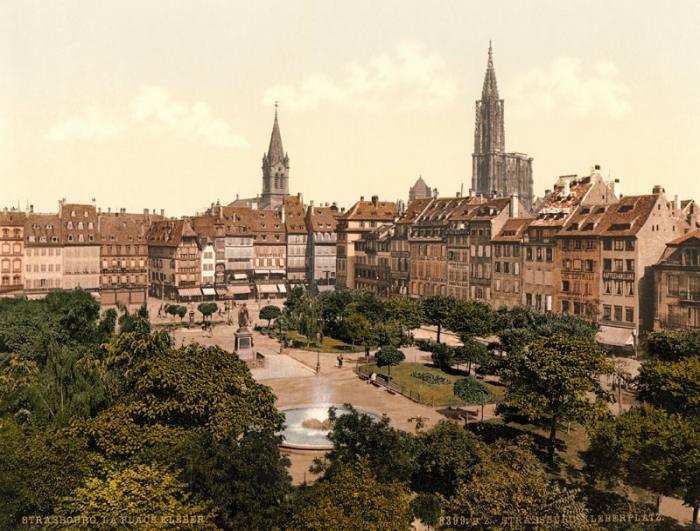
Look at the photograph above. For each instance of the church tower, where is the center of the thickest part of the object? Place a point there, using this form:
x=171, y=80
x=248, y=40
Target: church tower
x=275, y=168
x=494, y=170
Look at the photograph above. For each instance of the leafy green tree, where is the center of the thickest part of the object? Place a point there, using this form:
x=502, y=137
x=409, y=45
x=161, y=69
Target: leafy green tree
x=207, y=309
x=652, y=449
x=472, y=391
x=470, y=352
x=674, y=345
x=427, y=507
x=390, y=452
x=269, y=313
x=354, y=499
x=447, y=454
x=77, y=313
x=139, y=491
x=470, y=318
x=108, y=323
x=437, y=309
x=36, y=470
x=130, y=321
x=357, y=329
x=367, y=304
x=246, y=478
x=294, y=296
x=407, y=312
x=389, y=356
x=673, y=386
x=387, y=333
x=550, y=381
x=443, y=356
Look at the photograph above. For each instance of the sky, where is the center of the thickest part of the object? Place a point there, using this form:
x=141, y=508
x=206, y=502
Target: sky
x=169, y=104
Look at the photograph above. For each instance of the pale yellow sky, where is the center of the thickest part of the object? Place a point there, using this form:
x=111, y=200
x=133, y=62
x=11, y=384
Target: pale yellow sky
x=169, y=104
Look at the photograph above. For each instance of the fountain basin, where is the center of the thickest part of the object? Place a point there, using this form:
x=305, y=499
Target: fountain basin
x=306, y=427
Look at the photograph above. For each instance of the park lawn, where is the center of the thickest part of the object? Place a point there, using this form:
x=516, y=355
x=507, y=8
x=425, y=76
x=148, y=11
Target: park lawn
x=328, y=344
x=423, y=392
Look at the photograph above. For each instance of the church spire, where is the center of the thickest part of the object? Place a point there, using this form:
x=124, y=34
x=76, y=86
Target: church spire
x=276, y=152
x=490, y=89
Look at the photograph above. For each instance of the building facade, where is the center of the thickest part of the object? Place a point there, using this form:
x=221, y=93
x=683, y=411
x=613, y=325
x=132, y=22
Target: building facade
x=81, y=246
x=507, y=263
x=174, y=260
x=322, y=240
x=297, y=234
x=11, y=252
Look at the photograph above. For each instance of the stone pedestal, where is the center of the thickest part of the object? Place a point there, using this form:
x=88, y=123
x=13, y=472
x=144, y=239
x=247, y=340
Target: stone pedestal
x=243, y=343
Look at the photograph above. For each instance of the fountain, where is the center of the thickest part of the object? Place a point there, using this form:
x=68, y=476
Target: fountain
x=307, y=427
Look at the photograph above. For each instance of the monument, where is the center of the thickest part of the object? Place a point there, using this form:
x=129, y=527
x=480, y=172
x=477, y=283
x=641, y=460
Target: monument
x=243, y=336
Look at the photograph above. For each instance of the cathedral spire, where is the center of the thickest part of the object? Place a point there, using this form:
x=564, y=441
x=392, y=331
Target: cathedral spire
x=276, y=152
x=490, y=89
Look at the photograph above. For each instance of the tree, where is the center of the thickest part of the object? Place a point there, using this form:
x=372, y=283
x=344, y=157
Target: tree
x=674, y=345
x=407, y=312
x=137, y=494
x=269, y=313
x=436, y=310
x=673, y=386
x=207, y=309
x=108, y=323
x=549, y=382
x=181, y=311
x=470, y=318
x=391, y=453
x=652, y=449
x=367, y=304
x=294, y=296
x=388, y=356
x=470, y=352
x=443, y=356
x=357, y=329
x=354, y=499
x=246, y=479
x=472, y=391
x=447, y=454
x=130, y=321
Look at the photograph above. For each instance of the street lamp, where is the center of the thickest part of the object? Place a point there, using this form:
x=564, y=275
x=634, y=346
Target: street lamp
x=318, y=353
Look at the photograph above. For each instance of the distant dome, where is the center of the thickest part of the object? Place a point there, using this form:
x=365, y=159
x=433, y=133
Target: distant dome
x=420, y=189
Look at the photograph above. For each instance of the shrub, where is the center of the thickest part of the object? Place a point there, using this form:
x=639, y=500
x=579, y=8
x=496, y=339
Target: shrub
x=429, y=377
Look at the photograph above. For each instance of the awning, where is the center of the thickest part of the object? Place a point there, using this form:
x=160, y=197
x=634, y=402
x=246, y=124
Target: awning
x=323, y=287
x=208, y=291
x=221, y=292
x=95, y=294
x=267, y=288
x=282, y=288
x=189, y=292
x=262, y=271
x=618, y=337
x=239, y=290
x=240, y=276
x=277, y=271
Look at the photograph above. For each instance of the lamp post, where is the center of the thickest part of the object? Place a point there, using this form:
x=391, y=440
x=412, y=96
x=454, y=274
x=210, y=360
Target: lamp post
x=318, y=353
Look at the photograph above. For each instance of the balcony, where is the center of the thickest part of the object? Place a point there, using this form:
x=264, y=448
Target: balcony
x=689, y=297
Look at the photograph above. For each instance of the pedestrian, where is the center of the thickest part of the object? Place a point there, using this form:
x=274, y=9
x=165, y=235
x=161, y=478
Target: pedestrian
x=340, y=361
x=373, y=377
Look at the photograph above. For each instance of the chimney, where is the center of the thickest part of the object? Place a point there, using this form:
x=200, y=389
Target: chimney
x=109, y=210
x=547, y=192
x=514, y=206
x=145, y=211
x=435, y=192
x=162, y=212
x=617, y=190
x=658, y=189
x=676, y=203
x=375, y=200
x=471, y=192
x=31, y=209
x=596, y=169
x=99, y=210
x=311, y=203
x=567, y=188
x=362, y=198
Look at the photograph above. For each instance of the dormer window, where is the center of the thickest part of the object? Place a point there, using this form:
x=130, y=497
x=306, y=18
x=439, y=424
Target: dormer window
x=70, y=237
x=624, y=208
x=69, y=225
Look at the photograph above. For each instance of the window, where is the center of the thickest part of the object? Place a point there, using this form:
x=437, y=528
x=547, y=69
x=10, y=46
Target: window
x=607, y=264
x=629, y=314
x=549, y=254
x=528, y=254
x=589, y=265
x=619, y=245
x=539, y=254
x=618, y=264
x=607, y=245
x=607, y=287
x=618, y=313
x=629, y=245
x=607, y=312
x=630, y=265
x=564, y=306
x=565, y=285
x=528, y=299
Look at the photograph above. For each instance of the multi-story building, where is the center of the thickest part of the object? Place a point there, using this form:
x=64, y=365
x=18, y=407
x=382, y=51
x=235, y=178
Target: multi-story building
x=484, y=222
x=43, y=265
x=81, y=246
x=270, y=253
x=507, y=263
x=493, y=170
x=458, y=249
x=322, y=239
x=428, y=246
x=401, y=247
x=362, y=217
x=373, y=261
x=208, y=264
x=124, y=258
x=11, y=252
x=297, y=234
x=558, y=206
x=174, y=260
x=677, y=284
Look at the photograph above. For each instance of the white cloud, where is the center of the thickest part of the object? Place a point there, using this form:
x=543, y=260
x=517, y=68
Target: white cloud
x=409, y=79
x=568, y=86
x=152, y=110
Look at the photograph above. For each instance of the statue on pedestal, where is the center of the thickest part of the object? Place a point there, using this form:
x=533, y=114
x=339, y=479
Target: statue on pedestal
x=243, y=317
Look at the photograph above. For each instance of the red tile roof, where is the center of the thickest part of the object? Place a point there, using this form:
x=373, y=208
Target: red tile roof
x=513, y=230
x=371, y=211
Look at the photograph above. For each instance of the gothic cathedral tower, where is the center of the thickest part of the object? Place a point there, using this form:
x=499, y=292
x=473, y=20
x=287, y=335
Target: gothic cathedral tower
x=493, y=170
x=275, y=168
